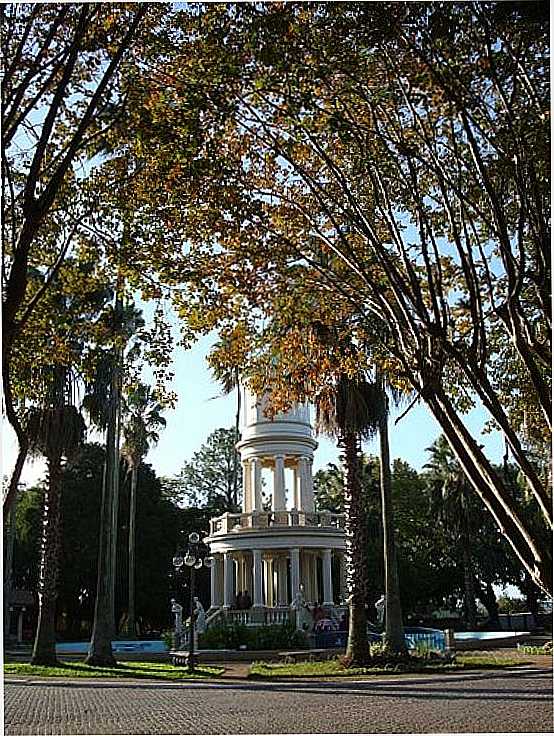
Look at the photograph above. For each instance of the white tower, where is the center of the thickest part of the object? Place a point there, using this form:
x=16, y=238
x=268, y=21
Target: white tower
x=277, y=552
x=284, y=442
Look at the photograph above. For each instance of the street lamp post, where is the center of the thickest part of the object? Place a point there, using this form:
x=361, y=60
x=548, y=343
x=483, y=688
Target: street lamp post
x=193, y=557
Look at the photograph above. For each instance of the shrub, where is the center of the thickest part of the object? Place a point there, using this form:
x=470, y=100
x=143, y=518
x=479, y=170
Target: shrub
x=382, y=656
x=168, y=638
x=224, y=637
x=511, y=605
x=527, y=649
x=233, y=636
x=278, y=636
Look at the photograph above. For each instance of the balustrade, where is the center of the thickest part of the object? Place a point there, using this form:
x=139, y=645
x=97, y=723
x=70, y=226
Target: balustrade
x=239, y=617
x=276, y=616
x=265, y=519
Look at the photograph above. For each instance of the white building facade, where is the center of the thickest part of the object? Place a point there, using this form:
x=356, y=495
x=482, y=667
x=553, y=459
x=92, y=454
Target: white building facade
x=278, y=546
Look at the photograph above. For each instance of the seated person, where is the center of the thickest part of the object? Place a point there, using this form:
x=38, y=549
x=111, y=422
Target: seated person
x=317, y=613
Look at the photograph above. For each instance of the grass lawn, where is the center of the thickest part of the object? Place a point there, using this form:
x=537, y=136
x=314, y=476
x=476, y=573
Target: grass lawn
x=129, y=670
x=333, y=668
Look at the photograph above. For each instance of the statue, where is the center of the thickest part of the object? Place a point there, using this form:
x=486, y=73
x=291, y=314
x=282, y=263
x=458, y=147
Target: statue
x=297, y=601
x=302, y=613
x=177, y=609
x=199, y=616
x=380, y=607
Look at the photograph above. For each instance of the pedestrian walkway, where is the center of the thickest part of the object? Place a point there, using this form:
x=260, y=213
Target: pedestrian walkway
x=515, y=701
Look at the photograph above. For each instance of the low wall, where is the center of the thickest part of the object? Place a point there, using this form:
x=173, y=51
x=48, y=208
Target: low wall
x=506, y=642
x=517, y=621
x=208, y=656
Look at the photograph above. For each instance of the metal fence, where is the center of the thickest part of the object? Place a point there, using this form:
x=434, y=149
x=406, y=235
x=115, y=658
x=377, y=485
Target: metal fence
x=416, y=638
x=429, y=639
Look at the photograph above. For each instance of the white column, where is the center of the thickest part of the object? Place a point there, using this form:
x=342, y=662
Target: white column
x=228, y=573
x=327, y=579
x=301, y=483
x=278, y=500
x=257, y=596
x=247, y=487
x=269, y=581
x=215, y=572
x=294, y=571
x=281, y=581
x=236, y=578
x=309, y=498
x=256, y=464
x=246, y=576
x=304, y=467
x=312, y=584
x=311, y=576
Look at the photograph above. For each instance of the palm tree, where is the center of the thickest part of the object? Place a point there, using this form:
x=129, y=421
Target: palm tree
x=55, y=430
x=103, y=405
x=354, y=411
x=139, y=432
x=9, y=543
x=394, y=631
x=229, y=379
x=453, y=501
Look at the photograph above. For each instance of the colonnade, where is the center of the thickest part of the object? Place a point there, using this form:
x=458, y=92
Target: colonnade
x=302, y=490
x=273, y=577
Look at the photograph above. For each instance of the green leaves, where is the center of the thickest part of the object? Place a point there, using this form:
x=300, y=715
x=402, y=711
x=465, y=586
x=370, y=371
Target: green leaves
x=208, y=479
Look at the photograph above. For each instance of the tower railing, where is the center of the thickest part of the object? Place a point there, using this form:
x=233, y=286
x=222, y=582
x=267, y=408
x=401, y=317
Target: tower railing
x=229, y=522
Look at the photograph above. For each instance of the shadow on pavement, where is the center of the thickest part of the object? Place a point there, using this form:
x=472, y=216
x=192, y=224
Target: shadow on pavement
x=413, y=688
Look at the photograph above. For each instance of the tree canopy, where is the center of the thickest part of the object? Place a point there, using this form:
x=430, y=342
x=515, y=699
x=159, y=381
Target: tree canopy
x=208, y=478
x=363, y=162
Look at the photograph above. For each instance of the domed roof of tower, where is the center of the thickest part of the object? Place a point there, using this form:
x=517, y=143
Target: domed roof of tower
x=289, y=432
x=256, y=411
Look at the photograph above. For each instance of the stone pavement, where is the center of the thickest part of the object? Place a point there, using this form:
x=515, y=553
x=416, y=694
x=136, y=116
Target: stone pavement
x=516, y=700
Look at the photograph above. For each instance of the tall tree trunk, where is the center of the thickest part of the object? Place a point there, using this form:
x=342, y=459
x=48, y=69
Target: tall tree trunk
x=357, y=649
x=44, y=650
x=534, y=554
x=487, y=597
x=22, y=439
x=117, y=377
x=9, y=541
x=531, y=592
x=131, y=623
x=103, y=628
x=236, y=459
x=469, y=586
x=394, y=631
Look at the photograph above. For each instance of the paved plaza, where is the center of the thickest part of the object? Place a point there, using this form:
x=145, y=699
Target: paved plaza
x=517, y=700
